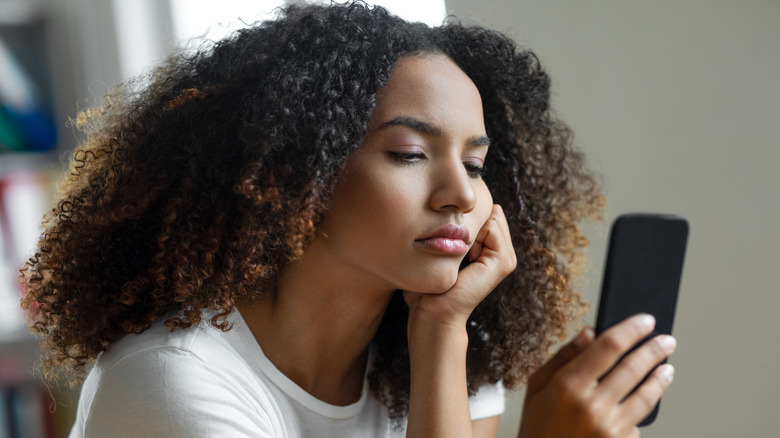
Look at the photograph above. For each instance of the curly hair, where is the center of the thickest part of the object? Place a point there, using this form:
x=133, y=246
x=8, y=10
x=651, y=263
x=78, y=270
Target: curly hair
x=194, y=191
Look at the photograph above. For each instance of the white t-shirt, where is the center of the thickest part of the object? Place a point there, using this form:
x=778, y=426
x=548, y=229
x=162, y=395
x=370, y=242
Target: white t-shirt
x=203, y=382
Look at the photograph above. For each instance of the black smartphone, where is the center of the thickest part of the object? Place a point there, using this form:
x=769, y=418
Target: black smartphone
x=642, y=273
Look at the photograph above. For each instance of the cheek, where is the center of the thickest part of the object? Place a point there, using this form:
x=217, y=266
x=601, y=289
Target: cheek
x=372, y=200
x=484, y=204
x=393, y=194
x=387, y=200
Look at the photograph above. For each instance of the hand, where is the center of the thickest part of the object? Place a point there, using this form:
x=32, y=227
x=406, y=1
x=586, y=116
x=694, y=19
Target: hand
x=583, y=391
x=492, y=258
x=438, y=340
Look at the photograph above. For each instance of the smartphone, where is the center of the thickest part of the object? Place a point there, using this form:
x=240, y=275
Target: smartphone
x=642, y=273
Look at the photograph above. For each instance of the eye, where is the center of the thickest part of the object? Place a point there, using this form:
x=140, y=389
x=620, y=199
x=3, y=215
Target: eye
x=406, y=157
x=474, y=170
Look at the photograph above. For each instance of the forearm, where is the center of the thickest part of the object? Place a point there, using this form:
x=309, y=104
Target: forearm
x=438, y=404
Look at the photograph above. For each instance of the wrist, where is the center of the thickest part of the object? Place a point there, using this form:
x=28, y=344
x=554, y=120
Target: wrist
x=430, y=333
x=438, y=397
x=426, y=319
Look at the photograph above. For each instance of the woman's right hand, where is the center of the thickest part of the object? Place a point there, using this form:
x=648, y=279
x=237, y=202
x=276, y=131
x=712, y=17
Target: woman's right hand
x=583, y=391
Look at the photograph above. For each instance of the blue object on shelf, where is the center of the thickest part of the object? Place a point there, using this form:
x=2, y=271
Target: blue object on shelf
x=24, y=119
x=10, y=138
x=35, y=128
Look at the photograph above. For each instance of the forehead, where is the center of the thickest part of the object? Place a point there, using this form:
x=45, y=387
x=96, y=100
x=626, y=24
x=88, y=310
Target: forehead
x=431, y=88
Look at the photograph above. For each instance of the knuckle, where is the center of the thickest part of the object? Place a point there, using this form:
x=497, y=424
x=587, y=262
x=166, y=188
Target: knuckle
x=510, y=265
x=565, y=389
x=598, y=421
x=579, y=405
x=603, y=431
x=634, y=367
x=646, y=400
x=612, y=343
x=584, y=408
x=654, y=348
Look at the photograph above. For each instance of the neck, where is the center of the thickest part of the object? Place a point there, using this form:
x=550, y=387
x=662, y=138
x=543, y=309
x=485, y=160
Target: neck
x=315, y=327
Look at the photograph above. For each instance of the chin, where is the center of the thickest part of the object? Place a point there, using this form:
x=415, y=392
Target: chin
x=429, y=278
x=438, y=284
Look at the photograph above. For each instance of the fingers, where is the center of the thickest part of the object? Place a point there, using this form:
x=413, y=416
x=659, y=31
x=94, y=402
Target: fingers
x=475, y=250
x=589, y=383
x=542, y=376
x=495, y=258
x=494, y=242
x=633, y=368
x=618, y=374
x=609, y=347
x=639, y=404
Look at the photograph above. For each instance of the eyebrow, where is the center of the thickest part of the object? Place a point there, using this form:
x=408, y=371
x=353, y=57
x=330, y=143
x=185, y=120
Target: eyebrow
x=424, y=127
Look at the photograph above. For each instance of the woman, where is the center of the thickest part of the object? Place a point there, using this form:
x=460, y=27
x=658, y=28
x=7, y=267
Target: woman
x=301, y=232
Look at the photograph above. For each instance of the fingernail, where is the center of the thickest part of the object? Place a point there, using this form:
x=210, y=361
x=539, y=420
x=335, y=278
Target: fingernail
x=668, y=343
x=583, y=337
x=666, y=372
x=646, y=320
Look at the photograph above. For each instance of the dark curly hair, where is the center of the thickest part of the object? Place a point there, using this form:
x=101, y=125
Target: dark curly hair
x=194, y=191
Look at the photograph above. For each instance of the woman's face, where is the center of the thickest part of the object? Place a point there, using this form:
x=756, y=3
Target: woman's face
x=410, y=200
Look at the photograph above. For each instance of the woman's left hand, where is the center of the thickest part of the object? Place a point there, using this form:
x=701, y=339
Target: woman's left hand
x=492, y=258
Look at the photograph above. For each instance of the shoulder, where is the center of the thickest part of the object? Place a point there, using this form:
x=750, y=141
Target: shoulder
x=203, y=343
x=189, y=382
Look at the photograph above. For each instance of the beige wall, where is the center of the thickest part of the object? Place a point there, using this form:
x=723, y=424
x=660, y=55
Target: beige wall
x=677, y=104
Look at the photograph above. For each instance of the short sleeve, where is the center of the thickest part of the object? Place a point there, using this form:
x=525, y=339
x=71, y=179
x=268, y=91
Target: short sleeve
x=488, y=401
x=171, y=393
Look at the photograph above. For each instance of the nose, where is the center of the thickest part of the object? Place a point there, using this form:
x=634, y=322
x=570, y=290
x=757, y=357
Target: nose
x=453, y=188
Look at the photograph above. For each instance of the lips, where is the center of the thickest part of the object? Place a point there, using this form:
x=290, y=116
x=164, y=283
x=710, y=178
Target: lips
x=450, y=239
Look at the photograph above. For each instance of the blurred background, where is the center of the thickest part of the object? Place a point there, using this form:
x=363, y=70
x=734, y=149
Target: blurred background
x=676, y=104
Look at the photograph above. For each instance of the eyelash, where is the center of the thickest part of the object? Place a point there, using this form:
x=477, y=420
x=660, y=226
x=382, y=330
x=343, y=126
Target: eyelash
x=474, y=171
x=406, y=159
